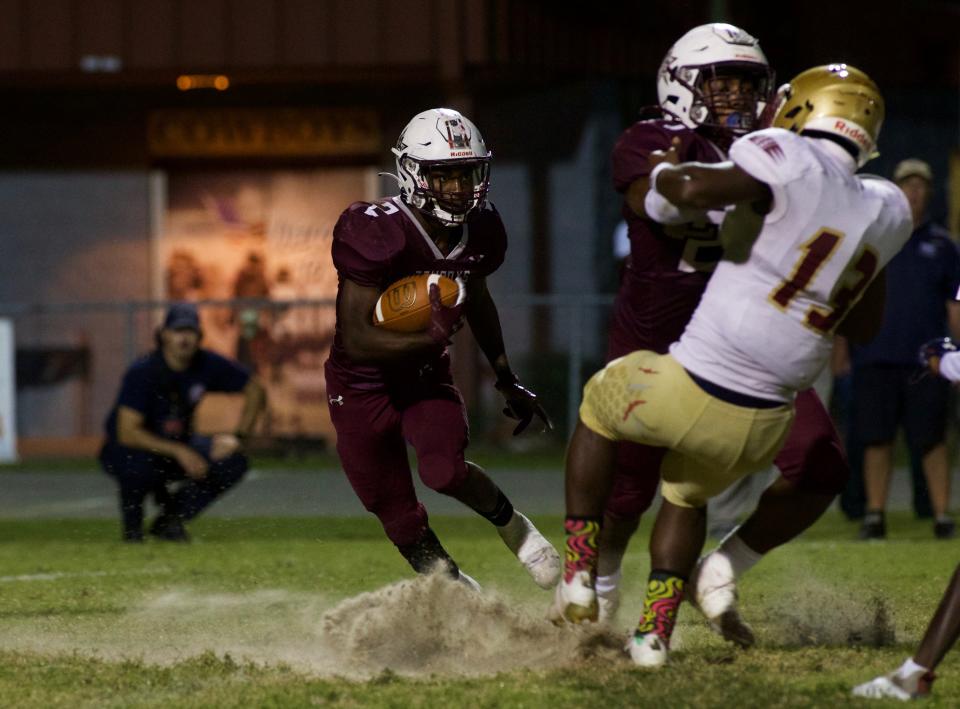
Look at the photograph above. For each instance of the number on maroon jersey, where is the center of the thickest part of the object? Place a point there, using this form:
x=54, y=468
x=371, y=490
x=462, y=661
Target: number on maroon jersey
x=385, y=207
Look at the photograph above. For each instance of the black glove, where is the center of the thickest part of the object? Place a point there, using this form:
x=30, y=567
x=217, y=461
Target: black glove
x=522, y=405
x=444, y=320
x=937, y=347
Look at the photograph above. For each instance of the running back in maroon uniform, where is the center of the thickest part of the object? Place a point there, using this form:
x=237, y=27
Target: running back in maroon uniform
x=376, y=244
x=388, y=388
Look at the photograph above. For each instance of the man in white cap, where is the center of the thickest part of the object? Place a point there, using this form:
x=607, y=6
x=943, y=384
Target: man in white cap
x=921, y=304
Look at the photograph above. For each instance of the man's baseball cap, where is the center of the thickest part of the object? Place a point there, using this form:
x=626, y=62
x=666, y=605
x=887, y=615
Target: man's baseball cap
x=182, y=316
x=912, y=167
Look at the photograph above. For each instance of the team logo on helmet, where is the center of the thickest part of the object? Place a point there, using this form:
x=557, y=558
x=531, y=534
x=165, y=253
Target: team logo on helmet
x=457, y=134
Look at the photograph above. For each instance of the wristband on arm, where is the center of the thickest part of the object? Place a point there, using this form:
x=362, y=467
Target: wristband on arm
x=660, y=209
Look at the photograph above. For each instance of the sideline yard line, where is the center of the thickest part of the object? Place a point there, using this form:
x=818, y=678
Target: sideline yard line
x=57, y=575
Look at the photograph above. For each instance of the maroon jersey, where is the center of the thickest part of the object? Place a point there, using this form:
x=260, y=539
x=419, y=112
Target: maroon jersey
x=375, y=244
x=668, y=266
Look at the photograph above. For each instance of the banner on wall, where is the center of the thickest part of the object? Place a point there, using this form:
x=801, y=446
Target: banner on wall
x=262, y=234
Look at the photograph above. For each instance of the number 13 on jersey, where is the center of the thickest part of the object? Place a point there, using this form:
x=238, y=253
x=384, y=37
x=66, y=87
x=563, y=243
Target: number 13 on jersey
x=846, y=289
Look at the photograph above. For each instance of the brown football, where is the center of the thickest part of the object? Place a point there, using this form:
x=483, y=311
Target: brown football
x=405, y=305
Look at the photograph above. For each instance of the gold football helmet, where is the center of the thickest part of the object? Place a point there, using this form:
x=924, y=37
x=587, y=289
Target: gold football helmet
x=837, y=99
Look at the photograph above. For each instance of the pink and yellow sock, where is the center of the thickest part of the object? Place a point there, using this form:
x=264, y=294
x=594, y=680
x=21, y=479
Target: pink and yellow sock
x=664, y=595
x=581, y=549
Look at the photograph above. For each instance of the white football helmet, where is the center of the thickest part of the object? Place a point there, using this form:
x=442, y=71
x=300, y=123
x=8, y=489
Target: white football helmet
x=703, y=53
x=442, y=139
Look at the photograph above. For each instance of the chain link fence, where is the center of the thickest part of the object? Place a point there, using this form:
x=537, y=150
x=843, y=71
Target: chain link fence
x=71, y=357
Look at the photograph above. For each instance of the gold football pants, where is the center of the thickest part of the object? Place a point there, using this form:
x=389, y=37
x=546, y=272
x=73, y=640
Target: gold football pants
x=649, y=398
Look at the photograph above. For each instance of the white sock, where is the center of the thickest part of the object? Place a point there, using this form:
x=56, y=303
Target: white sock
x=605, y=585
x=514, y=532
x=742, y=558
x=910, y=669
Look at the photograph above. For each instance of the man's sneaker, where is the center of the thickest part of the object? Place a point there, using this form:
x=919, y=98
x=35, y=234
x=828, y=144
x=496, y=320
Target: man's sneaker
x=533, y=550
x=169, y=529
x=944, y=527
x=894, y=686
x=874, y=526
x=713, y=591
x=608, y=604
x=576, y=601
x=133, y=536
x=647, y=650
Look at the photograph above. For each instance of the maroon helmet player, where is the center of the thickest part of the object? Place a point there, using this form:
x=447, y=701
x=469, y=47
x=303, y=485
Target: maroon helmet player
x=388, y=389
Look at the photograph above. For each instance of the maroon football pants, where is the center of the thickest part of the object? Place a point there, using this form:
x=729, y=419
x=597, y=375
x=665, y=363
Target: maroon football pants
x=373, y=428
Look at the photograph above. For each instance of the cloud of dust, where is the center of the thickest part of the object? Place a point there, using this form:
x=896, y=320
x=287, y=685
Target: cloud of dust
x=427, y=625
x=817, y=613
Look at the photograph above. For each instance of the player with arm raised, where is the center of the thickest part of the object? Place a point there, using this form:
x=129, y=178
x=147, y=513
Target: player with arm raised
x=387, y=388
x=914, y=678
x=712, y=85
x=721, y=400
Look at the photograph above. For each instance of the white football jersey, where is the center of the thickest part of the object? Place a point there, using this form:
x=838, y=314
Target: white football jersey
x=764, y=327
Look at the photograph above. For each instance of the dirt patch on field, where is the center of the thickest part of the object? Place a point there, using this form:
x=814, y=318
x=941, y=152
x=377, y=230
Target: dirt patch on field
x=422, y=626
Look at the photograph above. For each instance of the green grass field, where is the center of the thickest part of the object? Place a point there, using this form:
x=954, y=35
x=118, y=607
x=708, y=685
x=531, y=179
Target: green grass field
x=255, y=613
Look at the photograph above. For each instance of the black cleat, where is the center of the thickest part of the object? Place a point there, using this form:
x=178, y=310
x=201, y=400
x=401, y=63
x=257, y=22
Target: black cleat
x=169, y=529
x=944, y=528
x=874, y=526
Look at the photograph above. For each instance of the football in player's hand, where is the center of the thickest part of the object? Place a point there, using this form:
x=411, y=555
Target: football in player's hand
x=405, y=305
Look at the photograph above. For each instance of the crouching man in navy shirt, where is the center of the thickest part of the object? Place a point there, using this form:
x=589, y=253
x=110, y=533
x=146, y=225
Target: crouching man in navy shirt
x=149, y=434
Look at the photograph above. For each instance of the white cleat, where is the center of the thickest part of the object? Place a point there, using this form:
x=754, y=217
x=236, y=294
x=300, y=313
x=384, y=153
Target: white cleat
x=897, y=685
x=574, y=602
x=647, y=650
x=882, y=688
x=608, y=604
x=714, y=593
x=537, y=555
x=468, y=581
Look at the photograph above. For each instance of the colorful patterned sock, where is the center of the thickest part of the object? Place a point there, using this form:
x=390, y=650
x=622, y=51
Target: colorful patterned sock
x=581, y=551
x=664, y=594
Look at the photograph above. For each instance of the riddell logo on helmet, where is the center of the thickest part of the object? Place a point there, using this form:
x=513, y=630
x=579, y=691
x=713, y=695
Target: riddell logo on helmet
x=461, y=153
x=852, y=132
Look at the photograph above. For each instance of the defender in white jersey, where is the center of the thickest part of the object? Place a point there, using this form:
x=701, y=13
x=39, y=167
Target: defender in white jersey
x=764, y=326
x=805, y=238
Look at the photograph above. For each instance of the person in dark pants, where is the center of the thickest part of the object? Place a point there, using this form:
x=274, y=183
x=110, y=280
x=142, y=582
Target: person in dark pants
x=888, y=387
x=853, y=499
x=149, y=434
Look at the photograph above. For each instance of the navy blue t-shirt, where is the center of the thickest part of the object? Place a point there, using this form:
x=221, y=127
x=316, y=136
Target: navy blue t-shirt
x=920, y=281
x=167, y=399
